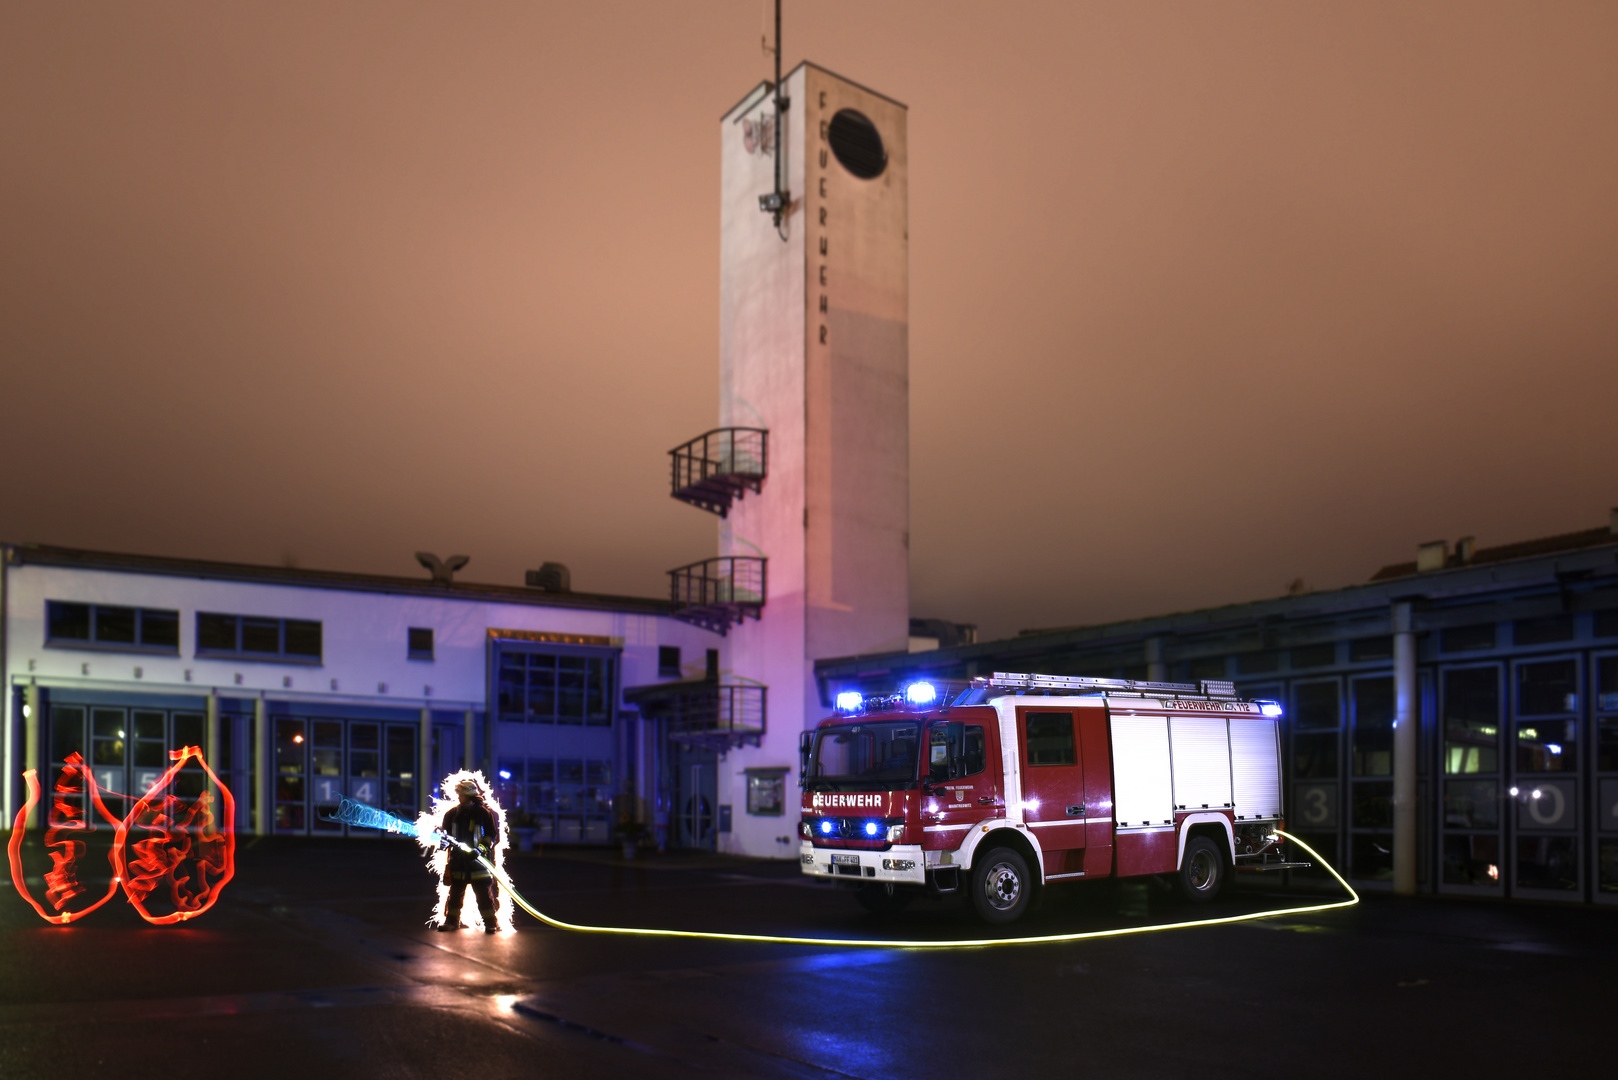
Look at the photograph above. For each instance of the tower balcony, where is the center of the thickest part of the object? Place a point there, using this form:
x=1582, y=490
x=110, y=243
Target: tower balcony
x=705, y=713
x=717, y=468
x=718, y=593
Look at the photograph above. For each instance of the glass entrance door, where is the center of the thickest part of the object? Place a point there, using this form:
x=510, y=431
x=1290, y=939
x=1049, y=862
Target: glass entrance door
x=129, y=751
x=1545, y=788
x=402, y=778
x=325, y=776
x=365, y=766
x=291, y=768
x=1472, y=845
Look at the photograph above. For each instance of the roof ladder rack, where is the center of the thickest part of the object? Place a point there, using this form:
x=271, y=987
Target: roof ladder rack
x=1081, y=684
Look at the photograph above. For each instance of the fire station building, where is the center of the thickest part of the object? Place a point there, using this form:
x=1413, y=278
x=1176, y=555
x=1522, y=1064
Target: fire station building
x=1514, y=685
x=353, y=685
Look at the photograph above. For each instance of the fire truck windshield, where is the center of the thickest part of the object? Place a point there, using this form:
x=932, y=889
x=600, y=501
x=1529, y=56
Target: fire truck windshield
x=879, y=754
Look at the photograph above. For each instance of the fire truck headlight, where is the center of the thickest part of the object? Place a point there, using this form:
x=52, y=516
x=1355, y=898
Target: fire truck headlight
x=921, y=693
x=806, y=830
x=850, y=701
x=826, y=826
x=898, y=864
x=872, y=828
x=894, y=833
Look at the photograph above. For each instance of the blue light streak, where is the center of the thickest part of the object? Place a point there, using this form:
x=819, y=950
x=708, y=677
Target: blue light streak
x=362, y=816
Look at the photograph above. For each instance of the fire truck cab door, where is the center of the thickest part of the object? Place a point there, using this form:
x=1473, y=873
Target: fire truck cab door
x=957, y=803
x=1053, y=786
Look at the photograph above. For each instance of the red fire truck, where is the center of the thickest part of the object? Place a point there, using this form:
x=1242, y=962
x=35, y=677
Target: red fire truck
x=1017, y=781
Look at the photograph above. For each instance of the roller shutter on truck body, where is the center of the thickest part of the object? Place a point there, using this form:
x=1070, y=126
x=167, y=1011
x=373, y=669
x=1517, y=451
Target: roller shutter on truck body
x=1143, y=793
x=1200, y=757
x=1255, y=763
x=1166, y=763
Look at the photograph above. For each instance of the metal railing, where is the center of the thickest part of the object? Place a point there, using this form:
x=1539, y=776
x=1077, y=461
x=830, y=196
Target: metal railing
x=718, y=467
x=719, y=714
x=720, y=592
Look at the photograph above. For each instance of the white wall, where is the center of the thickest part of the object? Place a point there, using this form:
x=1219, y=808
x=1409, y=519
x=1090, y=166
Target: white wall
x=833, y=518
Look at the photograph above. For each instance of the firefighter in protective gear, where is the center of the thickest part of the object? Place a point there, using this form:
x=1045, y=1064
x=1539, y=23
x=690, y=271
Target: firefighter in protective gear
x=471, y=823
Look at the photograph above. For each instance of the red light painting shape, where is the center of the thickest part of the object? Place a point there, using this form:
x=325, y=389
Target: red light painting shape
x=183, y=848
x=65, y=820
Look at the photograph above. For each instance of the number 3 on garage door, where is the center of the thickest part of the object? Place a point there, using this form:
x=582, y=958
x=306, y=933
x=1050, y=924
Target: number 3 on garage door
x=1315, y=805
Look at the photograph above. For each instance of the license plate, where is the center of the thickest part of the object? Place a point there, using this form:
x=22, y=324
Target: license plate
x=845, y=860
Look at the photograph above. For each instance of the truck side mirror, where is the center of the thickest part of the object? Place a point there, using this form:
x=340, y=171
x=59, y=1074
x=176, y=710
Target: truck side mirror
x=806, y=739
x=955, y=739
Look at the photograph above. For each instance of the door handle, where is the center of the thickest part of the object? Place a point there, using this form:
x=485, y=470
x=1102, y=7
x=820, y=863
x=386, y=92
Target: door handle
x=985, y=800
x=1075, y=811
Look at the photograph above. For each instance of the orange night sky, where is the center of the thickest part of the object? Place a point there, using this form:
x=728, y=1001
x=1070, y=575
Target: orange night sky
x=1227, y=294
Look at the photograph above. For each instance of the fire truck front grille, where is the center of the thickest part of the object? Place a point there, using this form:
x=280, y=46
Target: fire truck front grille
x=854, y=829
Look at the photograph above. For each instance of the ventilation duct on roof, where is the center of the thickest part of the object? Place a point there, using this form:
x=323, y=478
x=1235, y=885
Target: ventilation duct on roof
x=1432, y=556
x=550, y=577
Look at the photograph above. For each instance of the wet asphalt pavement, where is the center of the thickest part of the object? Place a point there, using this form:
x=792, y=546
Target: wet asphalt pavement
x=316, y=962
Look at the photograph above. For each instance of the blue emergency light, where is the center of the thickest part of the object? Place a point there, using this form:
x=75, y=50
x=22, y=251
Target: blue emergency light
x=921, y=693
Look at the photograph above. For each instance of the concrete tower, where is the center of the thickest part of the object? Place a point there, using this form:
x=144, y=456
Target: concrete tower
x=814, y=347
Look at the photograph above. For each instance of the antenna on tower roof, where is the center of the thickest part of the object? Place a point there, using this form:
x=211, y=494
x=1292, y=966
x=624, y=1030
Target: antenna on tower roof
x=776, y=202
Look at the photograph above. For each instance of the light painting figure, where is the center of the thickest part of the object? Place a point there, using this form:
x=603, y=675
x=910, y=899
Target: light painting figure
x=469, y=815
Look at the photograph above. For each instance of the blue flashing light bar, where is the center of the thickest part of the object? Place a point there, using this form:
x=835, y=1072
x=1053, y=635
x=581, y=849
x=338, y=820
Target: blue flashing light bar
x=921, y=693
x=826, y=828
x=871, y=828
x=1270, y=708
x=850, y=701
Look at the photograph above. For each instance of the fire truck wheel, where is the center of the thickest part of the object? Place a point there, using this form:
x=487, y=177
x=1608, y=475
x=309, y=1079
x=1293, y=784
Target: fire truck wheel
x=1202, y=871
x=1000, y=885
x=883, y=898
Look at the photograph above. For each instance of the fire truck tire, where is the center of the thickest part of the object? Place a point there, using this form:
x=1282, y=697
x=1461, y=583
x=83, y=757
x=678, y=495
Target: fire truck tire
x=1202, y=870
x=1001, y=885
x=883, y=898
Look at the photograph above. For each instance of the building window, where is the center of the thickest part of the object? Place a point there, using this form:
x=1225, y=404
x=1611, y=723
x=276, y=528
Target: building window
x=1371, y=648
x=1606, y=623
x=1467, y=638
x=250, y=637
x=421, y=643
x=1545, y=631
x=556, y=688
x=1257, y=663
x=1208, y=667
x=1050, y=739
x=567, y=800
x=107, y=626
x=1308, y=656
x=1373, y=726
x=1547, y=688
x=1607, y=688
x=1547, y=742
x=668, y=661
x=1317, y=707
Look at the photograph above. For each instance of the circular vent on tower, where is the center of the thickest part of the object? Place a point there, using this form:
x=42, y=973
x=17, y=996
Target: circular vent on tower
x=857, y=144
